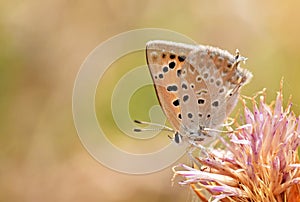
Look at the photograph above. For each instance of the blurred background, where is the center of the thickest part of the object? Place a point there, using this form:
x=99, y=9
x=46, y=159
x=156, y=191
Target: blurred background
x=43, y=44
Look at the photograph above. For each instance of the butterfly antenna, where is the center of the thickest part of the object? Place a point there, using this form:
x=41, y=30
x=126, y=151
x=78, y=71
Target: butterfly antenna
x=137, y=130
x=163, y=127
x=238, y=58
x=218, y=131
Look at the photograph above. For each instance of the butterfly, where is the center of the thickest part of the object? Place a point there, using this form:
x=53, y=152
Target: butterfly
x=197, y=86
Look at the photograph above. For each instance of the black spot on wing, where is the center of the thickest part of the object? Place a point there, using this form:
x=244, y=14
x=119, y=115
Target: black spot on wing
x=215, y=103
x=176, y=103
x=205, y=75
x=201, y=101
x=172, y=88
x=184, y=86
x=172, y=56
x=185, y=98
x=181, y=58
x=172, y=65
x=198, y=79
x=179, y=72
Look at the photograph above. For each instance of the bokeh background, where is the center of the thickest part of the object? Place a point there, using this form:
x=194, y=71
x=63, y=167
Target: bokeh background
x=43, y=44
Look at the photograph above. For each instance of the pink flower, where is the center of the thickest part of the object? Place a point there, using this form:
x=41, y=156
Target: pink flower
x=258, y=162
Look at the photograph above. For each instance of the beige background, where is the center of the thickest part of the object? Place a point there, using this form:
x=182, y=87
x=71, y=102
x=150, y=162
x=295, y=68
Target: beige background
x=43, y=44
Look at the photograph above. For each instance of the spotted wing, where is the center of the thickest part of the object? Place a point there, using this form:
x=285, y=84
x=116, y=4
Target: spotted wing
x=216, y=79
x=165, y=60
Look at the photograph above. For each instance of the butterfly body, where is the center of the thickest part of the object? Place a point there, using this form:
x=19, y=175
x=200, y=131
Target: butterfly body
x=197, y=86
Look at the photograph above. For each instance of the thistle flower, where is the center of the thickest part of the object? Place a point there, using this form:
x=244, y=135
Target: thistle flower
x=258, y=162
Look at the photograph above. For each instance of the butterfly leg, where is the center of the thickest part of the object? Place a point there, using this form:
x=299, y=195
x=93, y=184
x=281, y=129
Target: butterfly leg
x=232, y=120
x=193, y=160
x=194, y=146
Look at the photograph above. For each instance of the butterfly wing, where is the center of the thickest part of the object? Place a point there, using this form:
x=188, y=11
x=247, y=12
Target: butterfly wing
x=194, y=94
x=165, y=60
x=217, y=79
x=197, y=86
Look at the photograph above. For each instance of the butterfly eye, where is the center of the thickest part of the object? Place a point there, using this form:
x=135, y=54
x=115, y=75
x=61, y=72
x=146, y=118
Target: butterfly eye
x=177, y=138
